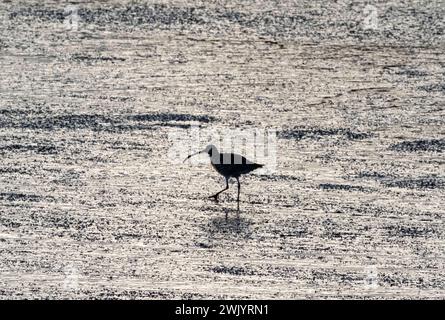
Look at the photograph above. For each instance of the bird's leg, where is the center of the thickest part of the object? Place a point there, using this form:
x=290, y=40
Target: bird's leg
x=215, y=196
x=239, y=188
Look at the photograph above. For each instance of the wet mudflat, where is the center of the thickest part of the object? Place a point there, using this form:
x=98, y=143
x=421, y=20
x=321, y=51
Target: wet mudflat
x=91, y=205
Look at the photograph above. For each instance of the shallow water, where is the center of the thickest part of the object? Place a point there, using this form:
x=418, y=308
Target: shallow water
x=91, y=205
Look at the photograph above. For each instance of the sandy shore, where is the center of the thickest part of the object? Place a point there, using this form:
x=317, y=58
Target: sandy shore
x=91, y=205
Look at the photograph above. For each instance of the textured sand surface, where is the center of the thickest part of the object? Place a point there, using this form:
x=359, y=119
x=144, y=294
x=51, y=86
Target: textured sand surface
x=92, y=207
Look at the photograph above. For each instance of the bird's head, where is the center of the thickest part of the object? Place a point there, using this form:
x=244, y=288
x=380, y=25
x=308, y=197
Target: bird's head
x=210, y=150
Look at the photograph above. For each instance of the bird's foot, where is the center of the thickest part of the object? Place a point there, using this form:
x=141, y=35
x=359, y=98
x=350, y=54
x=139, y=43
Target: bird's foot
x=215, y=197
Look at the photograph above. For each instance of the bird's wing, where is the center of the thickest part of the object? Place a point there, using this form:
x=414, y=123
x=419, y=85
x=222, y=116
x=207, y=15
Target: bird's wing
x=233, y=158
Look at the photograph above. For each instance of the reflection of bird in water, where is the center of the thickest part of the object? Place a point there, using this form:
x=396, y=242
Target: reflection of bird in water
x=229, y=165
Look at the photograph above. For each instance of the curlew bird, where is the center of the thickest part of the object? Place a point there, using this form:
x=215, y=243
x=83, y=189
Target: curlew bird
x=229, y=165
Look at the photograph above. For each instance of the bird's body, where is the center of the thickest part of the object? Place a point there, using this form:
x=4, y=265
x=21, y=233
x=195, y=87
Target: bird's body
x=229, y=165
x=232, y=164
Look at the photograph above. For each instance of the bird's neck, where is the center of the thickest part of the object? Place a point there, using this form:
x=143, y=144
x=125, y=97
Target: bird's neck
x=215, y=156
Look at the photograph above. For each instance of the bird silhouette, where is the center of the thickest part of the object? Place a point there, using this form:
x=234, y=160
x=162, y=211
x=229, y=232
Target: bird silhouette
x=229, y=165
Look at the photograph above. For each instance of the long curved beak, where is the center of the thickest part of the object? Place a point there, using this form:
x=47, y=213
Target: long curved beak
x=193, y=154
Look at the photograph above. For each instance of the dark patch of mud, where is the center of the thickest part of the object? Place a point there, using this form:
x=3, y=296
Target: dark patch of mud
x=294, y=228
x=168, y=117
x=398, y=279
x=425, y=182
x=112, y=294
x=410, y=231
x=333, y=231
x=315, y=24
x=328, y=275
x=411, y=73
x=332, y=234
x=12, y=112
x=97, y=122
x=434, y=145
x=57, y=221
x=277, y=177
x=41, y=149
x=89, y=58
x=435, y=87
x=297, y=233
x=346, y=187
x=163, y=16
x=14, y=170
x=318, y=133
x=375, y=210
x=281, y=272
x=12, y=196
x=70, y=122
x=418, y=183
x=9, y=223
x=371, y=175
x=115, y=98
x=236, y=271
